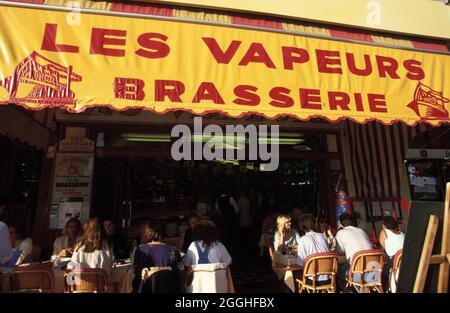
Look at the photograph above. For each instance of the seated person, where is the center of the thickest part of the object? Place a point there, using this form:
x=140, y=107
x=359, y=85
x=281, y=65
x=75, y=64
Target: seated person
x=18, y=242
x=325, y=229
x=296, y=215
x=63, y=245
x=116, y=239
x=285, y=237
x=206, y=247
x=350, y=240
x=92, y=251
x=186, y=238
x=312, y=242
x=154, y=253
x=269, y=225
x=8, y=255
x=391, y=239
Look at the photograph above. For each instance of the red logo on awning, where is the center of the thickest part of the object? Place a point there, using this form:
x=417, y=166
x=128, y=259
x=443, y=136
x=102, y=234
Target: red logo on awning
x=429, y=104
x=39, y=80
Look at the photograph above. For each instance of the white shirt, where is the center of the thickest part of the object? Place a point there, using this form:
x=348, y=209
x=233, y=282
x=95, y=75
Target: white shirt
x=393, y=242
x=311, y=243
x=97, y=259
x=351, y=240
x=217, y=254
x=5, y=244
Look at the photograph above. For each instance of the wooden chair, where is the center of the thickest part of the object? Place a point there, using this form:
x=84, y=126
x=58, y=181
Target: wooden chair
x=370, y=263
x=34, y=277
x=157, y=280
x=209, y=278
x=393, y=277
x=315, y=265
x=87, y=280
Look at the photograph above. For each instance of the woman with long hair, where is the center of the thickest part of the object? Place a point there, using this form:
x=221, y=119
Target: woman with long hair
x=63, y=245
x=206, y=248
x=153, y=255
x=92, y=251
x=285, y=237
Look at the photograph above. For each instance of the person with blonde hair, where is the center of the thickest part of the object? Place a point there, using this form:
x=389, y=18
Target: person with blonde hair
x=93, y=250
x=63, y=245
x=285, y=237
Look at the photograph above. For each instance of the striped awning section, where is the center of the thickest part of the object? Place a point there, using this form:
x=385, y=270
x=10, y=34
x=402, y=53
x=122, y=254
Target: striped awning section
x=377, y=153
x=263, y=22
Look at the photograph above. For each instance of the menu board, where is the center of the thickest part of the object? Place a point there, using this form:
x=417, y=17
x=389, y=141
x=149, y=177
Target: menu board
x=72, y=184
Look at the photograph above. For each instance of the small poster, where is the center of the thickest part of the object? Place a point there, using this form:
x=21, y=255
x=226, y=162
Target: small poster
x=423, y=180
x=68, y=210
x=72, y=184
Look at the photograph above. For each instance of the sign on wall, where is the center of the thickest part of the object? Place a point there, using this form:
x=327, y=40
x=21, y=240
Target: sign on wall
x=72, y=186
x=161, y=66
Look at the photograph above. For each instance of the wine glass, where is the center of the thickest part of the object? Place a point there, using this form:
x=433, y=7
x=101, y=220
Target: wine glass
x=290, y=248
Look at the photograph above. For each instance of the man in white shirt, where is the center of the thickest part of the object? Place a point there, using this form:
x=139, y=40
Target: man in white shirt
x=350, y=240
x=312, y=242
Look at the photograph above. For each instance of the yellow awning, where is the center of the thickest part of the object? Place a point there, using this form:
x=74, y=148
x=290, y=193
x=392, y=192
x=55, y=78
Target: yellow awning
x=75, y=60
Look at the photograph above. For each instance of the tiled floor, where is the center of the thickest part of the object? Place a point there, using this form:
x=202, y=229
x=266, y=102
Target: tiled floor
x=255, y=277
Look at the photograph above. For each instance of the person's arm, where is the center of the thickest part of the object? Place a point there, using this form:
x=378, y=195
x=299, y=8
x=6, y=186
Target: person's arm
x=331, y=239
x=382, y=238
x=189, y=258
x=339, y=245
x=26, y=246
x=74, y=260
x=138, y=261
x=297, y=238
x=234, y=204
x=278, y=242
x=106, y=261
x=301, y=254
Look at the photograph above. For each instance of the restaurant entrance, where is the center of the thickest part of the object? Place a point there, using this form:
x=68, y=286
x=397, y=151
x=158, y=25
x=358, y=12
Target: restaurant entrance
x=135, y=178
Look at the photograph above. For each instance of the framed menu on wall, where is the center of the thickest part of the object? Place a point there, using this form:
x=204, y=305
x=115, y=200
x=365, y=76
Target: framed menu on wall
x=425, y=180
x=72, y=185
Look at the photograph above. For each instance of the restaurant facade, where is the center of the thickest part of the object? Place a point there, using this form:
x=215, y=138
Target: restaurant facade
x=94, y=89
